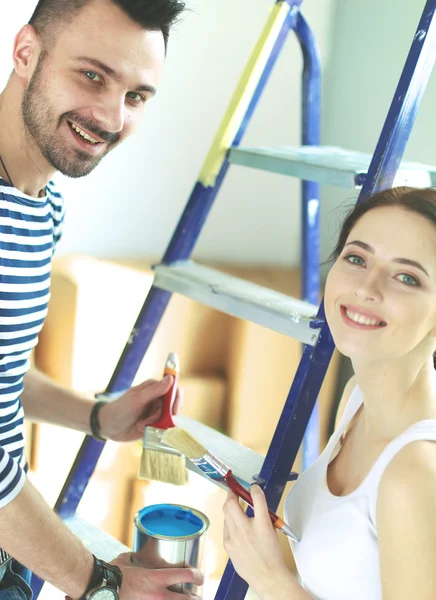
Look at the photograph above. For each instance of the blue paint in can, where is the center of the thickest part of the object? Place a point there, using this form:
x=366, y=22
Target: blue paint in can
x=169, y=520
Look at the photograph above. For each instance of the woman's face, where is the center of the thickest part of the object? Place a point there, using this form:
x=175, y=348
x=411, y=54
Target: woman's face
x=380, y=297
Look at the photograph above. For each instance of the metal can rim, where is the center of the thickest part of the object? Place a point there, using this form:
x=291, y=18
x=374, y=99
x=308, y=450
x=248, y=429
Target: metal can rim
x=206, y=524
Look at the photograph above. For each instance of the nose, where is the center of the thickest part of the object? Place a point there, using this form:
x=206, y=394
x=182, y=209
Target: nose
x=110, y=114
x=369, y=286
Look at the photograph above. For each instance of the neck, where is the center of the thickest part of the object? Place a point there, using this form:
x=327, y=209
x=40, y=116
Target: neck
x=27, y=168
x=396, y=394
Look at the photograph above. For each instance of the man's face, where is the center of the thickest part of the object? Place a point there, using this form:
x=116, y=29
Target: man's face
x=95, y=82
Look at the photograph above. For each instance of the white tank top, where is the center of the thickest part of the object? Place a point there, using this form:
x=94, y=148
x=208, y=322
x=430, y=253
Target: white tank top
x=337, y=557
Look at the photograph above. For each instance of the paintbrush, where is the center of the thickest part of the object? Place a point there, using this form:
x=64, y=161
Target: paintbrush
x=184, y=442
x=158, y=461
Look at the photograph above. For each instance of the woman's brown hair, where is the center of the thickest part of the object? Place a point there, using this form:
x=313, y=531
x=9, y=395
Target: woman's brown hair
x=419, y=201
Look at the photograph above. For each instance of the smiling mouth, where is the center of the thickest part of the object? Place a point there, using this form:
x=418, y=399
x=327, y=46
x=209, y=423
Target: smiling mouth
x=85, y=136
x=362, y=319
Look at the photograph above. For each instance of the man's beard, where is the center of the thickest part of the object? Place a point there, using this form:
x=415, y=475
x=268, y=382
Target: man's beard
x=42, y=126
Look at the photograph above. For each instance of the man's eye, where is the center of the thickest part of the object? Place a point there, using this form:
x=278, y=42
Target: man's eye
x=136, y=97
x=93, y=76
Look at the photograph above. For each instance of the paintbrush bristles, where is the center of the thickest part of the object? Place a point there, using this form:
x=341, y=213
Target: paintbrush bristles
x=184, y=442
x=161, y=466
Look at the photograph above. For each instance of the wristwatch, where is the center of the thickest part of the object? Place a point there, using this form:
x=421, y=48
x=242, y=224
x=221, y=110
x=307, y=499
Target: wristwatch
x=105, y=582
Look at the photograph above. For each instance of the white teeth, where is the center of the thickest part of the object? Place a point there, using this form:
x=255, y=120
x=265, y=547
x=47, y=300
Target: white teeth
x=361, y=319
x=83, y=134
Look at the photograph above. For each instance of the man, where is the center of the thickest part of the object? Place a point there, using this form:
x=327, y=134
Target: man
x=84, y=71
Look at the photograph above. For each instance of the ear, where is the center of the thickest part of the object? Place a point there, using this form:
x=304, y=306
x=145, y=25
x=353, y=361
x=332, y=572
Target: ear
x=27, y=49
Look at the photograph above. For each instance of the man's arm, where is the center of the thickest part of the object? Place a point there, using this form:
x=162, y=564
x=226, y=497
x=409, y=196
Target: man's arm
x=45, y=401
x=122, y=420
x=35, y=536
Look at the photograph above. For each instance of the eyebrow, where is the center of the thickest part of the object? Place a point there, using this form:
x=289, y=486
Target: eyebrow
x=402, y=261
x=143, y=87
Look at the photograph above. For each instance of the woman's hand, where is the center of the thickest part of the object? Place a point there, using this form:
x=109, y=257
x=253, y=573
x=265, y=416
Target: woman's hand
x=253, y=546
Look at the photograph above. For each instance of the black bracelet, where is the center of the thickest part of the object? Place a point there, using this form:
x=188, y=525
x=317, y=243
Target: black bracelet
x=94, y=422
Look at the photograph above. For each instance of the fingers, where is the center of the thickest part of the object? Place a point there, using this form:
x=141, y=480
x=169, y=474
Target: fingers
x=151, y=396
x=260, y=505
x=174, y=576
x=233, y=513
x=161, y=386
x=145, y=384
x=259, y=500
x=231, y=504
x=150, y=414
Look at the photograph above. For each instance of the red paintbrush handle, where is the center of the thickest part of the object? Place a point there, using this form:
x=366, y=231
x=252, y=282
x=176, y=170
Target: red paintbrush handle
x=240, y=491
x=166, y=419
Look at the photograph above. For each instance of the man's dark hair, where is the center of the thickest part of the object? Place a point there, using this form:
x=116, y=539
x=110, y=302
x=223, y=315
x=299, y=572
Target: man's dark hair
x=50, y=15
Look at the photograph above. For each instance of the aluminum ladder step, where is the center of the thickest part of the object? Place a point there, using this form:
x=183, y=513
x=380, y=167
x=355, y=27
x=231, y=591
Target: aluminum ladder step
x=96, y=540
x=243, y=299
x=244, y=463
x=327, y=164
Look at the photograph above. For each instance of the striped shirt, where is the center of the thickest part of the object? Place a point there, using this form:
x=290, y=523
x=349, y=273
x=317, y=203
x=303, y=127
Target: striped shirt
x=29, y=230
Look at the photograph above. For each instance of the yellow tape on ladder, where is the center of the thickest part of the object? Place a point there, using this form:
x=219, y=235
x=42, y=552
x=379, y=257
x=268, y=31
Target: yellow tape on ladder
x=243, y=94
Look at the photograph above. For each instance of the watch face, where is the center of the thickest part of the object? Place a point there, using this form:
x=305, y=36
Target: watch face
x=105, y=593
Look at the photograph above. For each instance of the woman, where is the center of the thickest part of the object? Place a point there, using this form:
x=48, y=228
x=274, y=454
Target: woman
x=366, y=509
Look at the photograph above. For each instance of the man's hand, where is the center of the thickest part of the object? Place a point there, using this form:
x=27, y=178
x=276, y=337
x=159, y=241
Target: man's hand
x=124, y=419
x=152, y=584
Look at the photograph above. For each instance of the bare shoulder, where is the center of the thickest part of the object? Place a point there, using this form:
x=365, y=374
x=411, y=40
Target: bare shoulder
x=412, y=470
x=349, y=387
x=406, y=523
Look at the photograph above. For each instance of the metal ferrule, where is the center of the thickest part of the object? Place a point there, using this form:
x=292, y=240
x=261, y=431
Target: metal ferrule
x=153, y=441
x=211, y=466
x=288, y=531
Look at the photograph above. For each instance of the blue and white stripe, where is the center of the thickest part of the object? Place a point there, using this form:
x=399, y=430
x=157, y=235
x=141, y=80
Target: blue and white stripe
x=29, y=231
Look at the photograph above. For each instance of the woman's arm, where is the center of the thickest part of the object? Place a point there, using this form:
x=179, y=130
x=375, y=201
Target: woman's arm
x=406, y=524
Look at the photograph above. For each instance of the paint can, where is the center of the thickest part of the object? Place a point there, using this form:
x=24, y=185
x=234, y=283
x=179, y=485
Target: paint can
x=171, y=535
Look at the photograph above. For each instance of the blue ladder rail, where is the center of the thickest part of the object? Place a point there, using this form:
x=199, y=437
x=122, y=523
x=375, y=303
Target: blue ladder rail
x=310, y=209
x=301, y=400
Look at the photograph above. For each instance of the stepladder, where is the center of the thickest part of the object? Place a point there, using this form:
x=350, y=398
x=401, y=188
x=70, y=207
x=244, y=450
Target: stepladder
x=301, y=319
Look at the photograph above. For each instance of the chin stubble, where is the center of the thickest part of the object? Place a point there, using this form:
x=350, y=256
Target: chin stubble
x=42, y=127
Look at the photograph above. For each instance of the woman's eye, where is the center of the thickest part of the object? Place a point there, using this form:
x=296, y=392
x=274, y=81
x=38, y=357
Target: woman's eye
x=408, y=279
x=136, y=97
x=354, y=259
x=93, y=76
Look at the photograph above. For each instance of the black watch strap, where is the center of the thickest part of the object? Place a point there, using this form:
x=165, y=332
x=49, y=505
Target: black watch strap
x=94, y=422
x=103, y=575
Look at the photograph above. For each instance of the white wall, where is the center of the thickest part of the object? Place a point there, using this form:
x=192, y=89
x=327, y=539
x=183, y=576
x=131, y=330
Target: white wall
x=130, y=204
x=371, y=42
